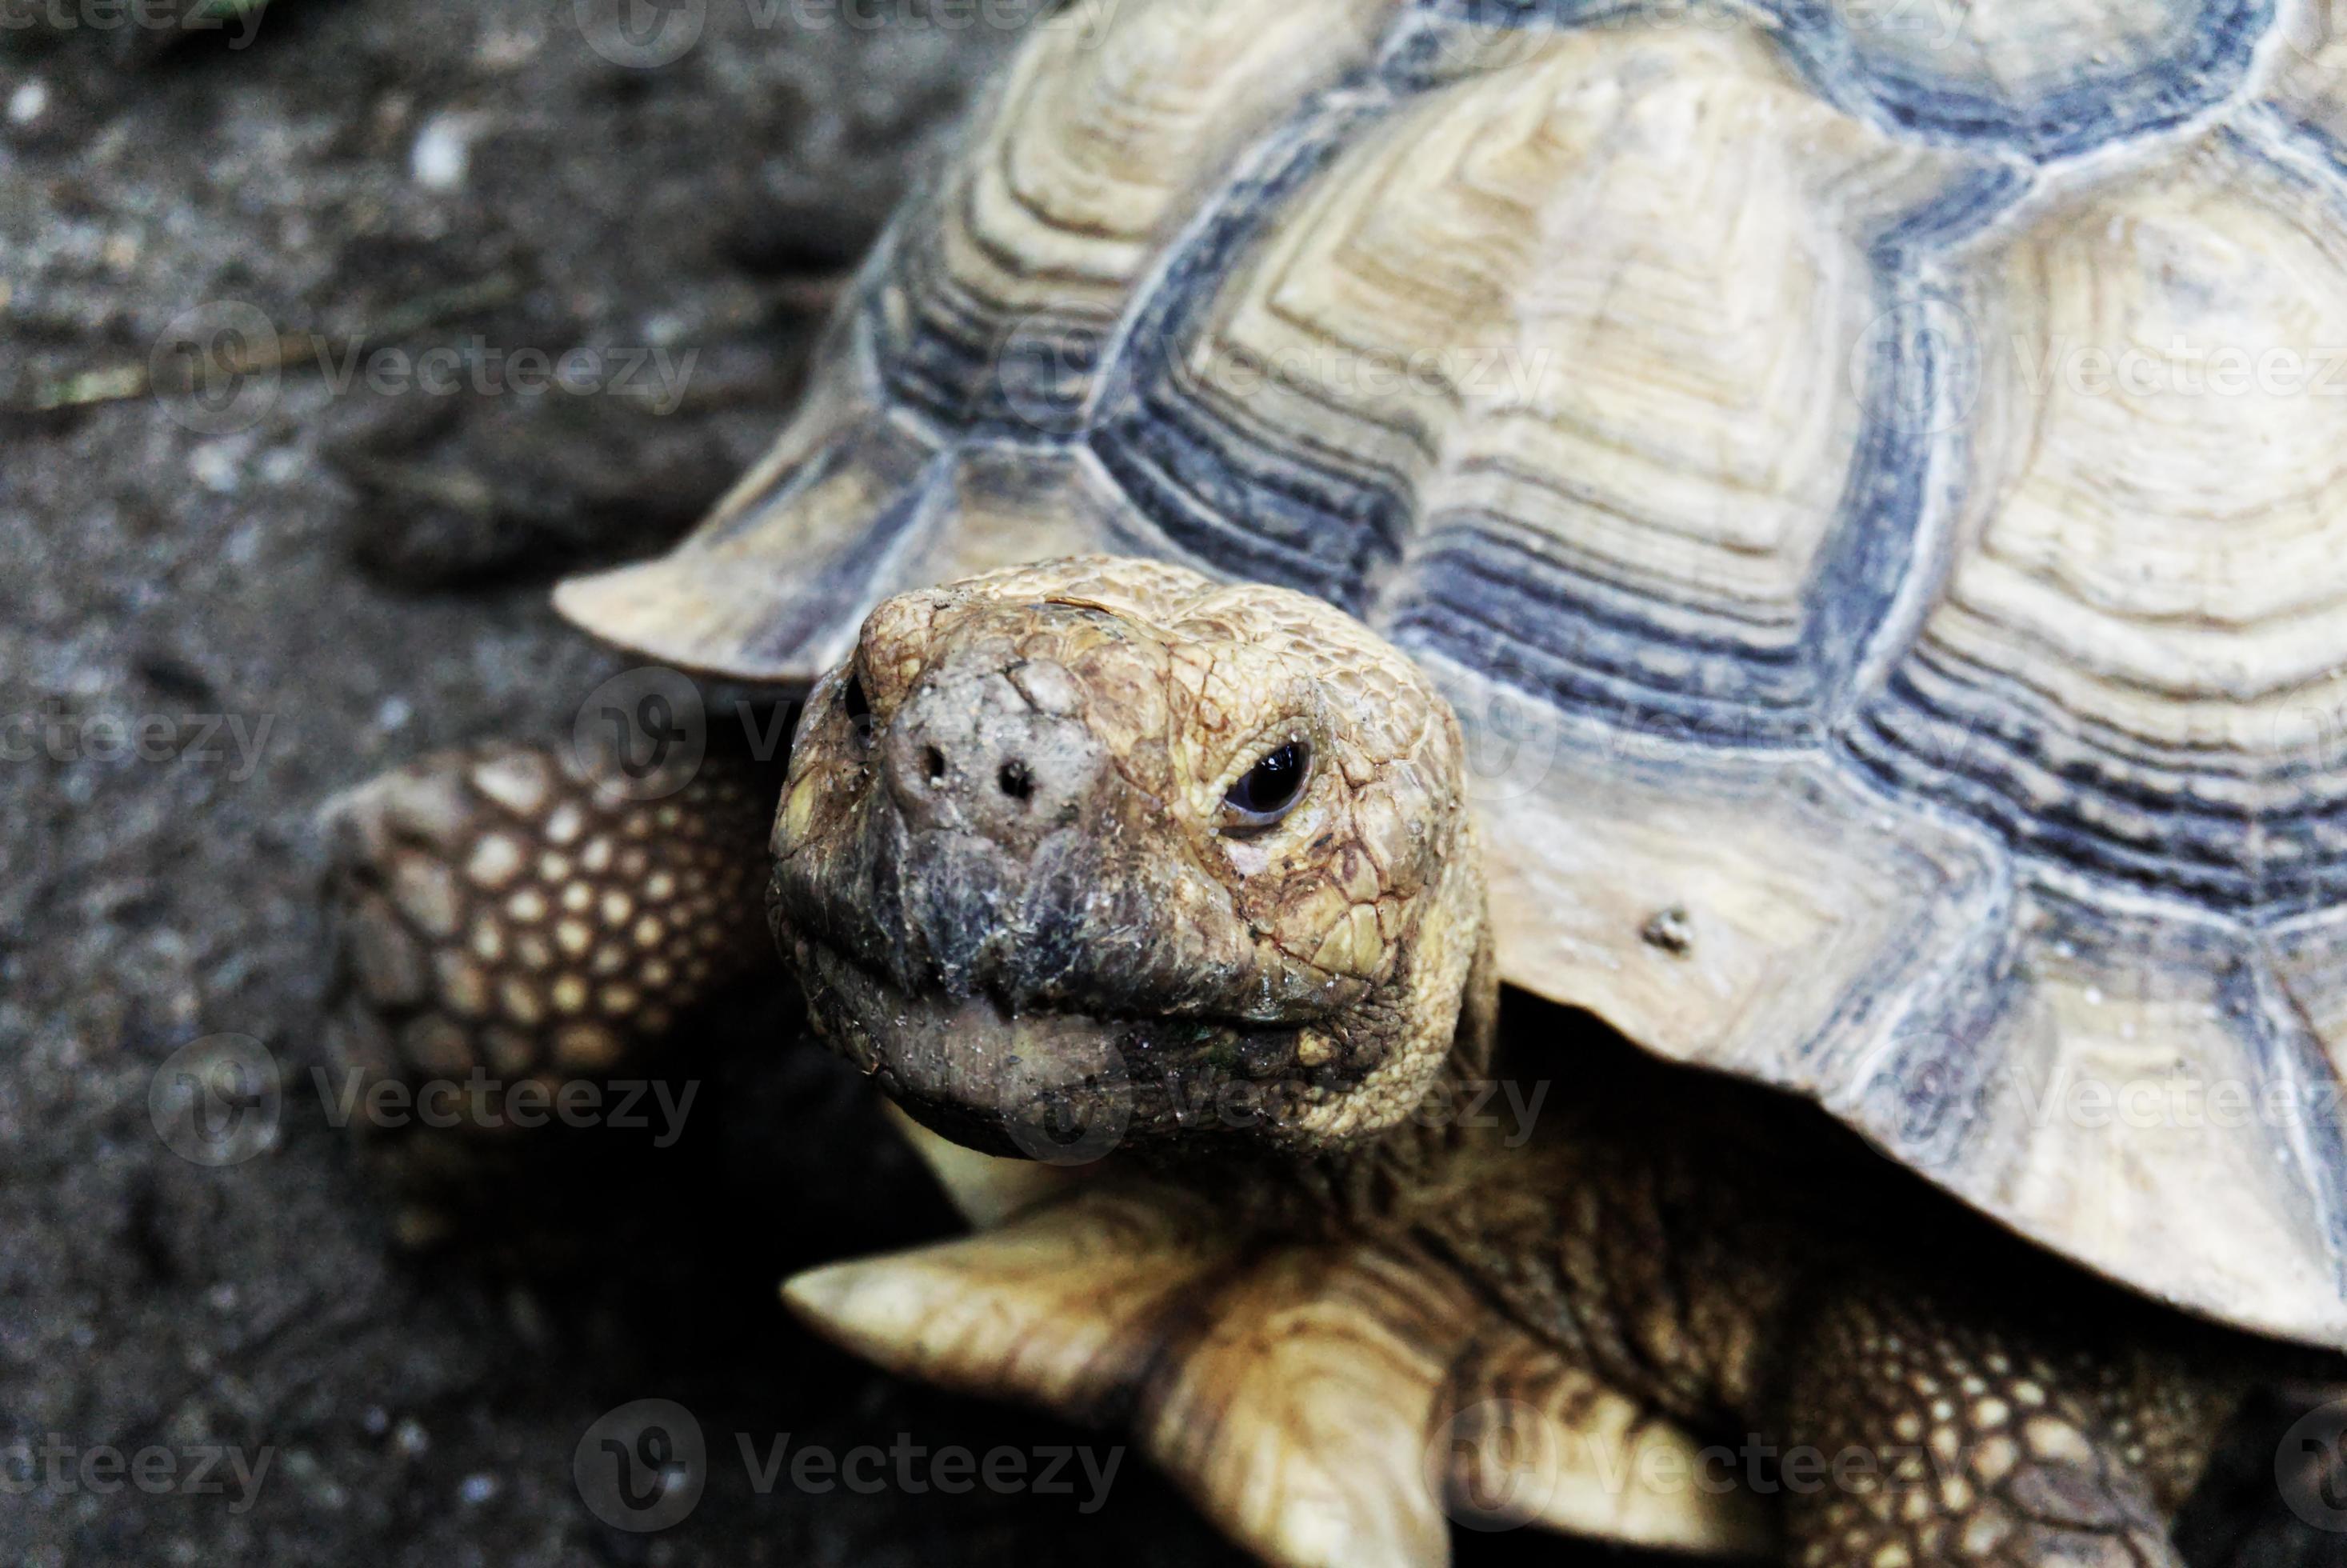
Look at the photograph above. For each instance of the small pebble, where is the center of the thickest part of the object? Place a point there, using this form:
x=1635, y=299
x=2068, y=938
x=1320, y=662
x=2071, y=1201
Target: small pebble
x=410, y=1439
x=1669, y=930
x=477, y=1489
x=217, y=466
x=443, y=152
x=28, y=102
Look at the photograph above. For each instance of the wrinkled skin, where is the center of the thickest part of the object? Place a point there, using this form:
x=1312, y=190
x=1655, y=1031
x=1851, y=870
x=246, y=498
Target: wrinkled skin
x=1007, y=872
x=1031, y=874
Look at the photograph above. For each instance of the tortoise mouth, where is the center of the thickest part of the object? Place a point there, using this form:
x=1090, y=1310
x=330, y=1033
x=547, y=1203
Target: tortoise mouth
x=1066, y=1087
x=1049, y=1086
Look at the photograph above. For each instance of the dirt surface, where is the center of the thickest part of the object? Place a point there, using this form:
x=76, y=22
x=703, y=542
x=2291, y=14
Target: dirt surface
x=222, y=600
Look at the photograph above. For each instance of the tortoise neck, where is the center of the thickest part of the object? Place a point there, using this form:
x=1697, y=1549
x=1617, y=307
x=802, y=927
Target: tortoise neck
x=1378, y=1183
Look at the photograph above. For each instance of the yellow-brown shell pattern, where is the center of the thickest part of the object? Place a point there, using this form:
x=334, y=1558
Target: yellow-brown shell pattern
x=1866, y=476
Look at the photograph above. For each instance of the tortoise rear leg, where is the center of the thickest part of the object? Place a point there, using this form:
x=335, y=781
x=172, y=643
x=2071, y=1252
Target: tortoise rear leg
x=511, y=921
x=1930, y=1438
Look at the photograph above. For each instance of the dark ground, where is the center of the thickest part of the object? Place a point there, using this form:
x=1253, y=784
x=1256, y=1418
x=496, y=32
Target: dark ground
x=363, y=573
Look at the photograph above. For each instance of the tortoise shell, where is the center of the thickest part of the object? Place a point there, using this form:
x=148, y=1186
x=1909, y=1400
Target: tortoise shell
x=1870, y=478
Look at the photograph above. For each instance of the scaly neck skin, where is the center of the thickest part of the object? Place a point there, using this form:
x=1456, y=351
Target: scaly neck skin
x=1600, y=1215
x=1590, y=1212
x=1606, y=1229
x=1372, y=1186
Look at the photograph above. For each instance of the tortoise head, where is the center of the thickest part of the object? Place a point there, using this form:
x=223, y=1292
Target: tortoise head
x=1099, y=852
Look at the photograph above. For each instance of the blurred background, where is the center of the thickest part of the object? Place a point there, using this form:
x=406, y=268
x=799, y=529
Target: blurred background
x=512, y=286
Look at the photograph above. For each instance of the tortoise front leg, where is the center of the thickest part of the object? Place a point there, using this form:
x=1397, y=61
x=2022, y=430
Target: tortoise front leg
x=509, y=921
x=1930, y=1438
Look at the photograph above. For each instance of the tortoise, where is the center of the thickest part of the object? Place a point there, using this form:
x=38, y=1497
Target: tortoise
x=1802, y=543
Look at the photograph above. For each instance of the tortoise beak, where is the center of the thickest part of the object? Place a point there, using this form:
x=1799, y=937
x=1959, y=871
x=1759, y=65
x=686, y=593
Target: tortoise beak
x=1039, y=1085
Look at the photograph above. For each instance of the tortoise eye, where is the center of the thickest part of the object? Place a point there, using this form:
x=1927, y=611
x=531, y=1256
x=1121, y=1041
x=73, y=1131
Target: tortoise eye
x=1266, y=791
x=857, y=707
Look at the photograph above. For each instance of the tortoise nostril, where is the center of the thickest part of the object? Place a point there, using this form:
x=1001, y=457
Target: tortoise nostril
x=1014, y=781
x=933, y=762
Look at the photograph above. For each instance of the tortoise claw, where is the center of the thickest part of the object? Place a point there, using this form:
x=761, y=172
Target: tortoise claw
x=1326, y=1402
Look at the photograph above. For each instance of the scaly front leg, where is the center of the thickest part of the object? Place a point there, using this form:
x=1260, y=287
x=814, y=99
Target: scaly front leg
x=1961, y=1441
x=509, y=920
